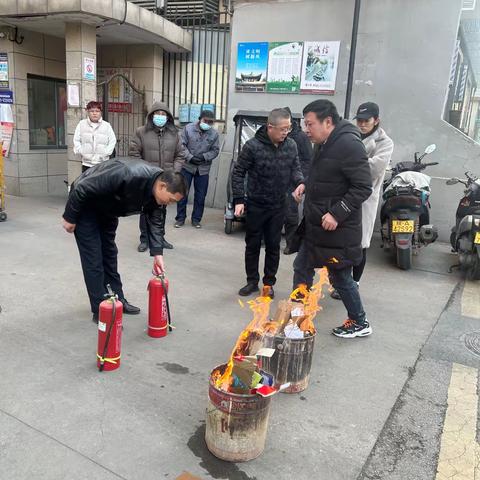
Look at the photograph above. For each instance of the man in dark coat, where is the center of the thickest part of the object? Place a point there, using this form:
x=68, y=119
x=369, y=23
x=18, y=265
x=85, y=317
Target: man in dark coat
x=339, y=182
x=305, y=154
x=157, y=142
x=112, y=189
x=271, y=161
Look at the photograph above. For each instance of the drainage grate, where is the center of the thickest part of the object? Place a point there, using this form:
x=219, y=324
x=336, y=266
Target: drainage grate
x=472, y=342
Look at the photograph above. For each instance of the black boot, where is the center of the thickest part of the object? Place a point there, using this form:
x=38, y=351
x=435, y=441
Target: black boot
x=129, y=309
x=248, y=289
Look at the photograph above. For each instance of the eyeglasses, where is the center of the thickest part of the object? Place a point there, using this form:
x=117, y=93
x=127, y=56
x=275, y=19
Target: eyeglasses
x=282, y=130
x=208, y=122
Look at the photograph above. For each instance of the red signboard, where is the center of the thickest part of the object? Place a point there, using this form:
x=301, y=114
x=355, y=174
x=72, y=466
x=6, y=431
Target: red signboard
x=119, y=107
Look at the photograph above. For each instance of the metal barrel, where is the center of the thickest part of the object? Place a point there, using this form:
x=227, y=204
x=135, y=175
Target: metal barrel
x=236, y=424
x=291, y=362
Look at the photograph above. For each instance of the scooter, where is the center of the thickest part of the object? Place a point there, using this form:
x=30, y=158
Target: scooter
x=465, y=236
x=405, y=212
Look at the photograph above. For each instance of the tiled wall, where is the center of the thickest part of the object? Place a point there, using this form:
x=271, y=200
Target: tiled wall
x=33, y=172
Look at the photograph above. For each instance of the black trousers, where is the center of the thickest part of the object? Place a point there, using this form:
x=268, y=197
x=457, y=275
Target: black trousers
x=267, y=224
x=143, y=226
x=95, y=236
x=291, y=217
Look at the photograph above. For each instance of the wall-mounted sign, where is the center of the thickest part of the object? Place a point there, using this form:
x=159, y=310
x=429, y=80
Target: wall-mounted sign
x=252, y=61
x=73, y=95
x=319, y=67
x=6, y=96
x=89, y=69
x=4, y=84
x=284, y=67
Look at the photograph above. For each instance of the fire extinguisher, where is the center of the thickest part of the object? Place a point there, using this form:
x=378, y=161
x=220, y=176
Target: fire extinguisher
x=109, y=332
x=158, y=307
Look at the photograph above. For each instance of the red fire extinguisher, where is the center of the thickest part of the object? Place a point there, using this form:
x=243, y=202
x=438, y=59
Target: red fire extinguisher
x=109, y=332
x=158, y=307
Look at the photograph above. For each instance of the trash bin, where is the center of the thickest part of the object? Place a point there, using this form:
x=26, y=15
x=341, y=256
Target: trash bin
x=236, y=424
x=291, y=362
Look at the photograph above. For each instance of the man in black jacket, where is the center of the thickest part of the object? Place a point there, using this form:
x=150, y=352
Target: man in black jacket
x=305, y=154
x=112, y=189
x=271, y=161
x=339, y=182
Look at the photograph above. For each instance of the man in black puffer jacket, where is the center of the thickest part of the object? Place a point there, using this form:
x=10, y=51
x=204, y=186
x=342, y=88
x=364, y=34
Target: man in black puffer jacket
x=339, y=182
x=271, y=161
x=112, y=189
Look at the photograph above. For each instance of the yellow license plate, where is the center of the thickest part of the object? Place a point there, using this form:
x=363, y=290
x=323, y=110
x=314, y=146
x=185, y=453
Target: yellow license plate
x=477, y=238
x=403, y=226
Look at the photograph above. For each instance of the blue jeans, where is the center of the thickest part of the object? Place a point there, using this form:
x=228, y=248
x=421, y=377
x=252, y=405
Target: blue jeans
x=200, y=184
x=340, y=279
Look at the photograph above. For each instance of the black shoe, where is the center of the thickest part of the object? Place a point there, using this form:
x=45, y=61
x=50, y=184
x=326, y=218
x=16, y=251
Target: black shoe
x=267, y=291
x=179, y=223
x=167, y=245
x=334, y=294
x=248, y=289
x=350, y=329
x=196, y=224
x=142, y=247
x=129, y=309
x=95, y=318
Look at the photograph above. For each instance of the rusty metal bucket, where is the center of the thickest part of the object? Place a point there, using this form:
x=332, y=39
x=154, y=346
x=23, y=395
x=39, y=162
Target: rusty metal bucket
x=236, y=424
x=291, y=362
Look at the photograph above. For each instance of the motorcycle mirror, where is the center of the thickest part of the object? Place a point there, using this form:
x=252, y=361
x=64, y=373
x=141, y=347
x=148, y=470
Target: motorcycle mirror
x=430, y=149
x=453, y=181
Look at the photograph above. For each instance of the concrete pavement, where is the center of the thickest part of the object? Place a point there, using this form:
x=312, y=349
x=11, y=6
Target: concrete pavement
x=60, y=418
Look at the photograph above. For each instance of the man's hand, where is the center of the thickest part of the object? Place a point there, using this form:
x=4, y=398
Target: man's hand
x=158, y=265
x=239, y=209
x=328, y=222
x=196, y=160
x=69, y=227
x=298, y=193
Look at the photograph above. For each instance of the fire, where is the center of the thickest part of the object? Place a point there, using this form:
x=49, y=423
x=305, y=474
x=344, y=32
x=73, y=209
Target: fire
x=251, y=338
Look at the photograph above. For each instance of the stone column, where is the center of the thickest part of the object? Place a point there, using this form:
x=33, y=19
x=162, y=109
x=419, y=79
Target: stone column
x=80, y=44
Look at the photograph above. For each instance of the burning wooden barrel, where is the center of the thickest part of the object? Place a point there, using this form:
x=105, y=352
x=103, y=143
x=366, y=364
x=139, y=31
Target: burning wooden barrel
x=236, y=424
x=291, y=362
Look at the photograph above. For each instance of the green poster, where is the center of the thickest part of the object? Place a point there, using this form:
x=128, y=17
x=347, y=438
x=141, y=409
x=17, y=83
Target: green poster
x=284, y=67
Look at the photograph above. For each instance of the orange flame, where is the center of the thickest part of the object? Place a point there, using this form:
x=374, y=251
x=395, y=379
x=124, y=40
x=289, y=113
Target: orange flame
x=250, y=340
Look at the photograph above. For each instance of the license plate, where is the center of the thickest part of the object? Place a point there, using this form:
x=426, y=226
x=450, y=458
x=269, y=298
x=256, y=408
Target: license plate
x=477, y=238
x=403, y=226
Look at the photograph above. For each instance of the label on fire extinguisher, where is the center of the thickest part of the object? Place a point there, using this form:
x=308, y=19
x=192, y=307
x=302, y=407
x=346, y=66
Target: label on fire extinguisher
x=102, y=326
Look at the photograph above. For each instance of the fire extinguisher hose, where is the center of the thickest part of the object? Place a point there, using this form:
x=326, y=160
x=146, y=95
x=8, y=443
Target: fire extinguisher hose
x=169, y=321
x=103, y=358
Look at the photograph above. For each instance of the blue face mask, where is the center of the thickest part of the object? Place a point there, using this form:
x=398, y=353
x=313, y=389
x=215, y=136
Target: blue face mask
x=159, y=120
x=205, y=126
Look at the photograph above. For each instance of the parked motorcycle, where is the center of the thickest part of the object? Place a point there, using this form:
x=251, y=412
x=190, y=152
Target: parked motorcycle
x=465, y=236
x=405, y=212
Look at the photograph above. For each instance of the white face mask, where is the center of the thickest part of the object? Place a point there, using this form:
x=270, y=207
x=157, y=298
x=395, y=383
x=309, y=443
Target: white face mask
x=159, y=120
x=205, y=126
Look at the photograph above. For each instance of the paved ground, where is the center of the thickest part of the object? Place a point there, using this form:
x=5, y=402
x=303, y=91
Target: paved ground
x=375, y=409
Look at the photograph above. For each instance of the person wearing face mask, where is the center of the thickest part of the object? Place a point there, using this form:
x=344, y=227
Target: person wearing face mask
x=94, y=139
x=201, y=142
x=379, y=148
x=158, y=143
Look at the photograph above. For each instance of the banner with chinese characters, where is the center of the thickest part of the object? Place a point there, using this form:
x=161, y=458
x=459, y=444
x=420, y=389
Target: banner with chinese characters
x=252, y=61
x=284, y=67
x=319, y=67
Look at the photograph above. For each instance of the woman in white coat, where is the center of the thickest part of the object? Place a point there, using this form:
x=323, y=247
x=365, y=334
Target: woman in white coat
x=94, y=139
x=379, y=148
